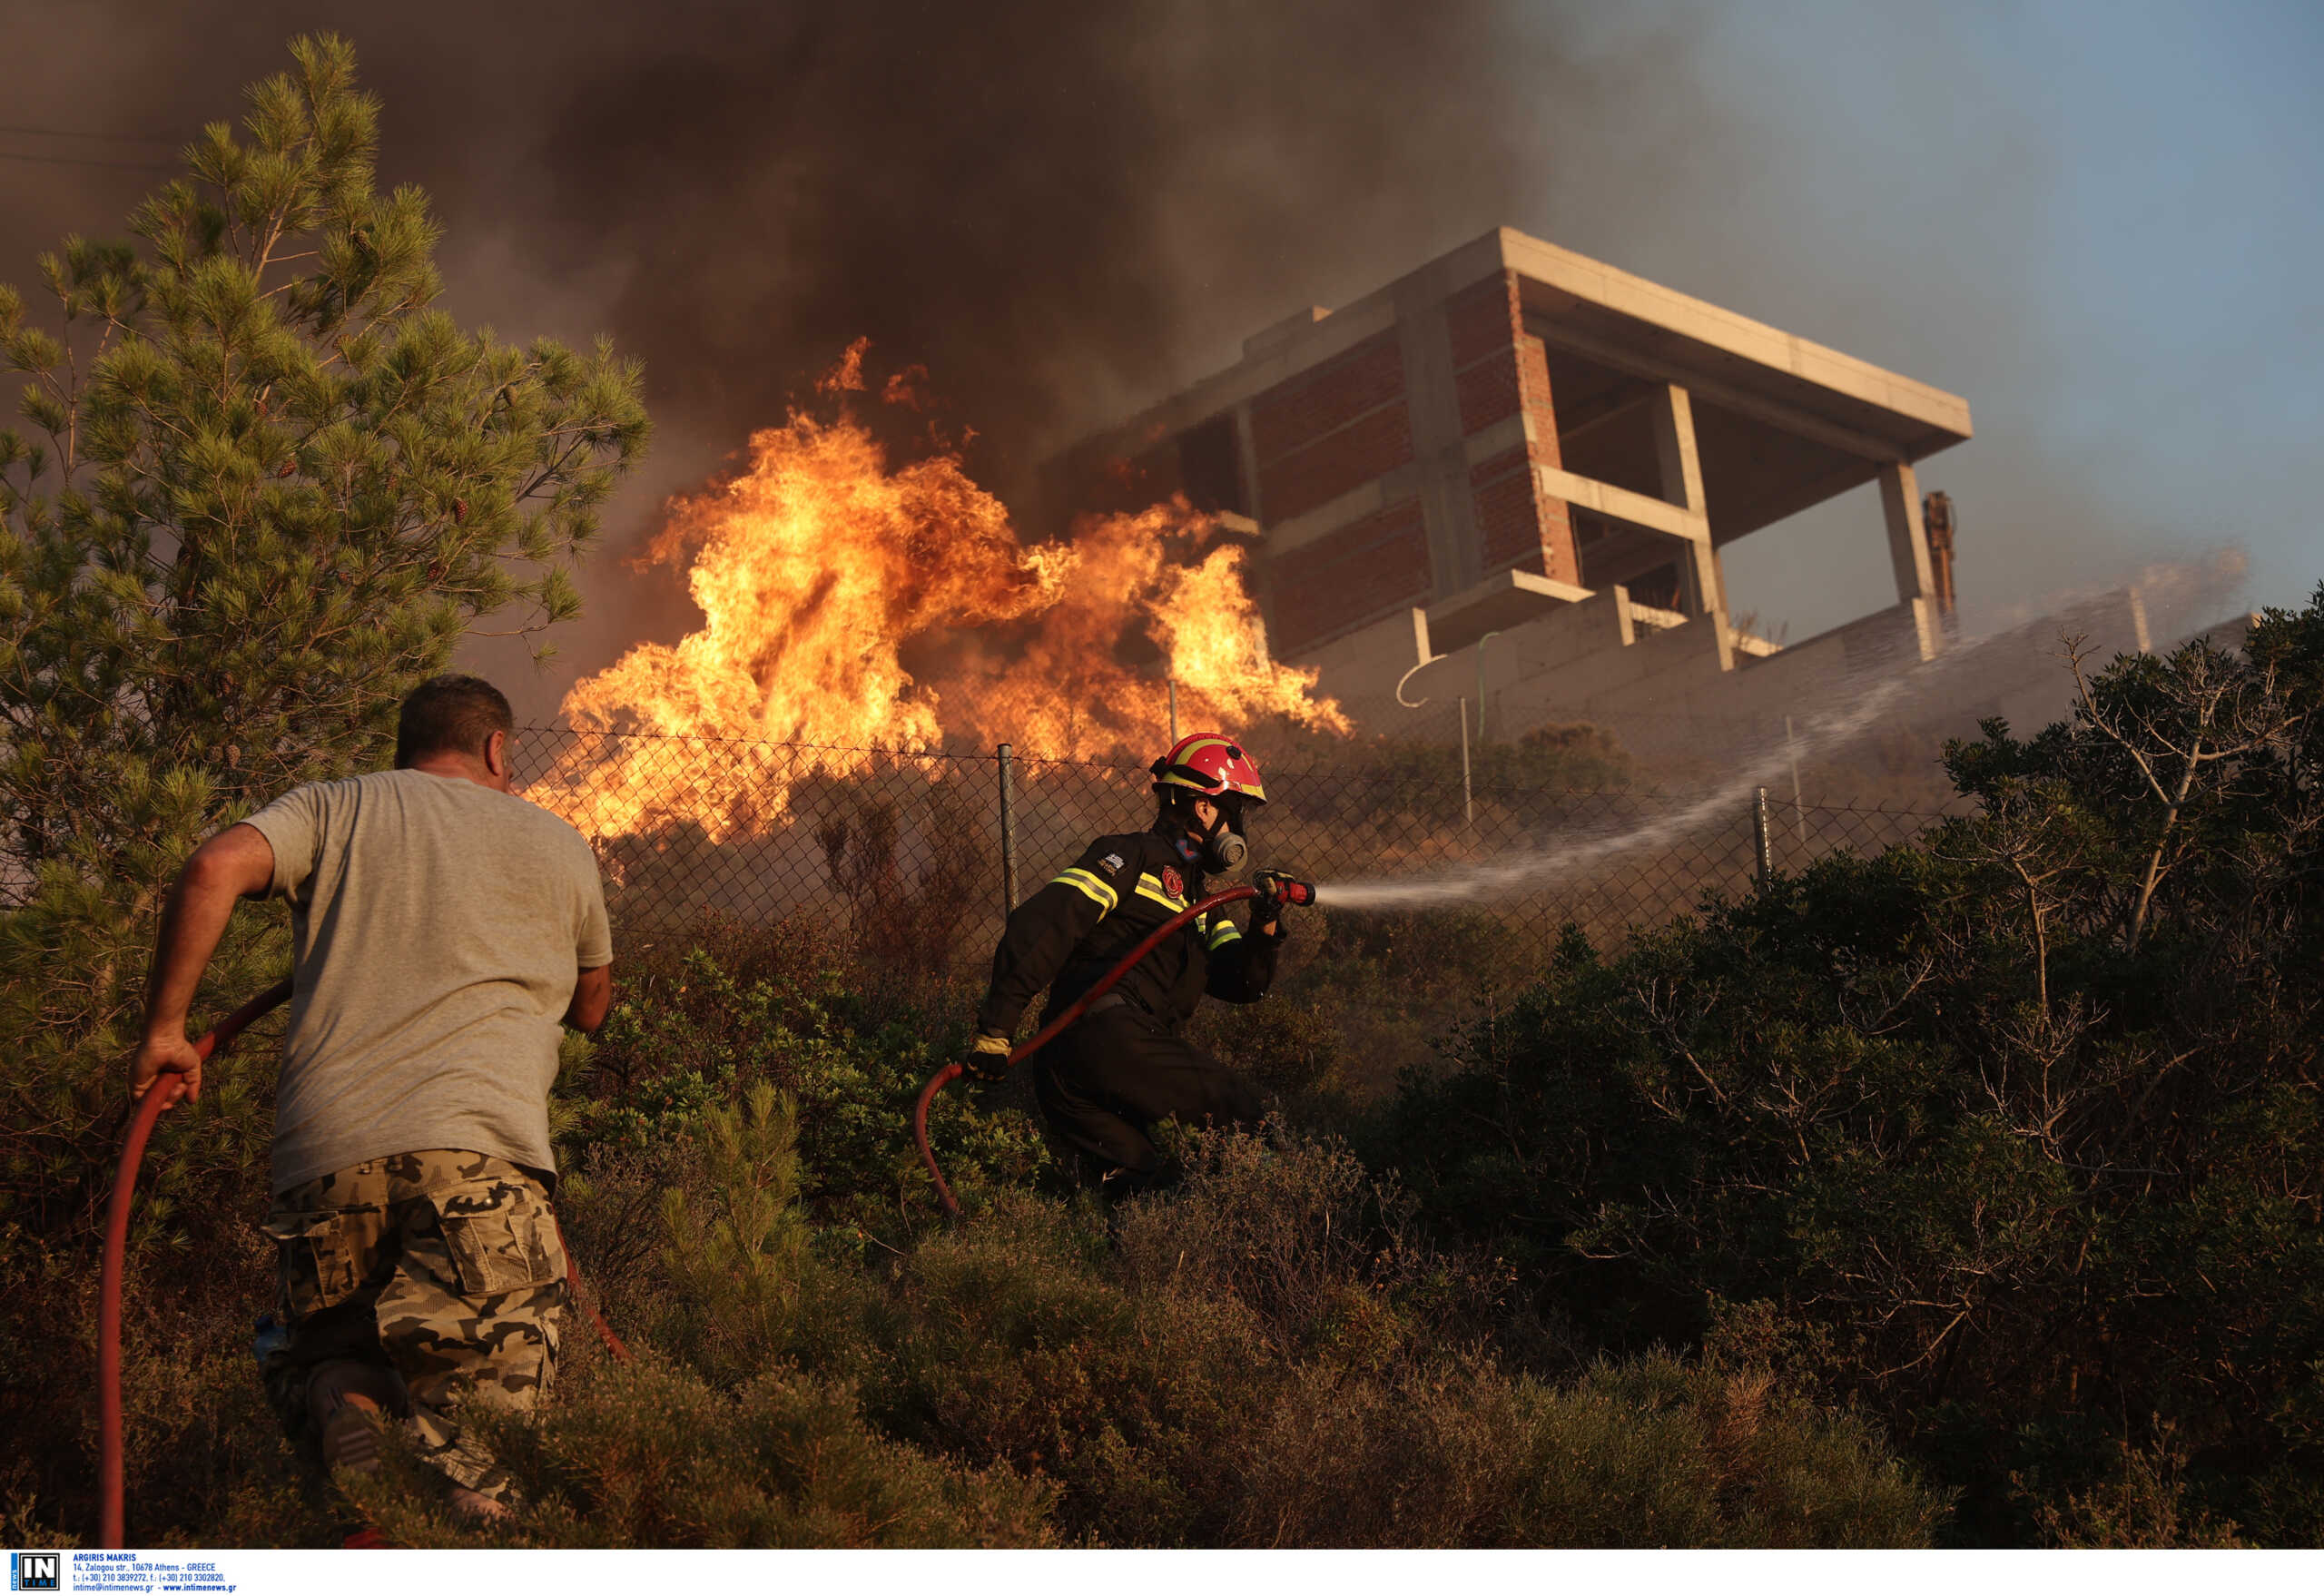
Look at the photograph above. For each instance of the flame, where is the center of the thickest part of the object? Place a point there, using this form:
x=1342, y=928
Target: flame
x=819, y=566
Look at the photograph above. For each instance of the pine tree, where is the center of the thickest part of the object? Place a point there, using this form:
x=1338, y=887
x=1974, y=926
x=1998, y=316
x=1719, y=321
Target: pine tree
x=266, y=486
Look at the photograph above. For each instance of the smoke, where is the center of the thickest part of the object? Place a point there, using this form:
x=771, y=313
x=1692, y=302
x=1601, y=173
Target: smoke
x=1061, y=210
x=1065, y=209
x=1049, y=203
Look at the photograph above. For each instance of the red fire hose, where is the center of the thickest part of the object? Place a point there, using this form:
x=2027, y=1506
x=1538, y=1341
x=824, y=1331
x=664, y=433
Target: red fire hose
x=165, y=1091
x=1289, y=891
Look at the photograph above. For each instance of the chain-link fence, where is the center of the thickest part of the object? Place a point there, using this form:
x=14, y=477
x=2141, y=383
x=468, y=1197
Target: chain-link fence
x=907, y=849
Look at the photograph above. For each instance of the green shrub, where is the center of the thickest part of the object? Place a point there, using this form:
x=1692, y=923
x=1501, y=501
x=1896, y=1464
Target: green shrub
x=2008, y=1136
x=698, y=1020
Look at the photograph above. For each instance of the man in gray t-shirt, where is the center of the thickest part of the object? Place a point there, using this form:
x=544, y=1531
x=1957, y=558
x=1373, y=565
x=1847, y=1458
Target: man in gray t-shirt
x=442, y=930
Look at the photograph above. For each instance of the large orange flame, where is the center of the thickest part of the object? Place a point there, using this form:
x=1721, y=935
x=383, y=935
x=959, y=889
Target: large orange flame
x=818, y=568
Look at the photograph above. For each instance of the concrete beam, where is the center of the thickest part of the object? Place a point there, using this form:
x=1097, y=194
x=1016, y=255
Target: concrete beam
x=1782, y=417
x=1620, y=504
x=1693, y=324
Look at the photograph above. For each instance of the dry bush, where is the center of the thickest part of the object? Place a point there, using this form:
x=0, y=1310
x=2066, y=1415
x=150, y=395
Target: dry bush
x=908, y=918
x=651, y=1454
x=1268, y=1354
x=1303, y=1236
x=1269, y=1358
x=2145, y=1504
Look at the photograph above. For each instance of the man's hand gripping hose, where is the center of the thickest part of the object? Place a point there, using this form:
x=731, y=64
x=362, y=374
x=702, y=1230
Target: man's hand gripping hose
x=165, y=1091
x=1271, y=887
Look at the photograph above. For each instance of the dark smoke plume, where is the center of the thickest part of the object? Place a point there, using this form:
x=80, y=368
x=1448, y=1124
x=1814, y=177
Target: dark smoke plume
x=1061, y=210
x=1054, y=206
x=1039, y=201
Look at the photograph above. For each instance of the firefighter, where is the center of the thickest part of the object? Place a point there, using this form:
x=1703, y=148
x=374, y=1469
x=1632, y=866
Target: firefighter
x=1122, y=1068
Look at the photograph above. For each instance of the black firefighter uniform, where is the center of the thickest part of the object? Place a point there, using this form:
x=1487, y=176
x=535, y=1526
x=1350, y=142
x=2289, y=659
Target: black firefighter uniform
x=1122, y=1066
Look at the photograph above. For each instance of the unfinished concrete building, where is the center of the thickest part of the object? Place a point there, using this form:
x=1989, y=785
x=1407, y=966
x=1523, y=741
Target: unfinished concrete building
x=1515, y=441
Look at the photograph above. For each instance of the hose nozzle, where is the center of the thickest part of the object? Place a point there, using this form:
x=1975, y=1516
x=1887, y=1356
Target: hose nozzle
x=1283, y=888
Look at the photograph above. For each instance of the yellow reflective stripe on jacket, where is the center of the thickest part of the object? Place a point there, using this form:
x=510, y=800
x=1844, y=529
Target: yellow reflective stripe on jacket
x=1223, y=931
x=1149, y=886
x=1090, y=887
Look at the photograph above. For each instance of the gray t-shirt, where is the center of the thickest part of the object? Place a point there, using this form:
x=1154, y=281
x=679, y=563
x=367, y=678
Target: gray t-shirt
x=438, y=928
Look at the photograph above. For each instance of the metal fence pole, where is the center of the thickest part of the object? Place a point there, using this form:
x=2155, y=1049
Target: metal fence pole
x=1008, y=833
x=1468, y=798
x=1799, y=812
x=1760, y=849
x=1173, y=684
x=1487, y=637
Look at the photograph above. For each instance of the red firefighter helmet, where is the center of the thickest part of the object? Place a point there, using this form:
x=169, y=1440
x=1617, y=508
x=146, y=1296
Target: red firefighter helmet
x=1209, y=765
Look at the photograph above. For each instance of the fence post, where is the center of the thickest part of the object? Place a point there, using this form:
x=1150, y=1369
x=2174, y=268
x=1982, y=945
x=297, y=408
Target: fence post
x=1008, y=833
x=1468, y=797
x=1799, y=812
x=1487, y=637
x=1760, y=850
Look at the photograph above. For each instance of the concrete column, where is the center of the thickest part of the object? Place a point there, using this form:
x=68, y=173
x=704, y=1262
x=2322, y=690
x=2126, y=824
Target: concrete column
x=1674, y=447
x=1900, y=501
x=1900, y=504
x=1702, y=584
x=1246, y=460
x=1247, y=457
x=1438, y=446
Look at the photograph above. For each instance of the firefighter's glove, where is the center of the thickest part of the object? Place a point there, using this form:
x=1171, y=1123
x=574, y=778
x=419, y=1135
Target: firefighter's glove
x=986, y=1057
x=1278, y=889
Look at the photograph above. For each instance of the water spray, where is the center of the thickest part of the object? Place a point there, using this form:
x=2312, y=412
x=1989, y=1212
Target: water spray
x=1867, y=703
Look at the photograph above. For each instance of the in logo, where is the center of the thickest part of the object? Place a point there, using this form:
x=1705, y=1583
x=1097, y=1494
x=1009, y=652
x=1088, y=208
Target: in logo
x=35, y=1571
x=1172, y=884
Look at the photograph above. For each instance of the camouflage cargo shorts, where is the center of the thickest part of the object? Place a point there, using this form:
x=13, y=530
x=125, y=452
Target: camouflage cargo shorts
x=444, y=1266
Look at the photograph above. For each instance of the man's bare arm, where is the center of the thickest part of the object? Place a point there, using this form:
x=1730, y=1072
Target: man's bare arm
x=592, y=997
x=238, y=862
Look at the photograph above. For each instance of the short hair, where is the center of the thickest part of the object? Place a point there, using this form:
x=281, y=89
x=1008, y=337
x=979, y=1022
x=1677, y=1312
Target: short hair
x=450, y=715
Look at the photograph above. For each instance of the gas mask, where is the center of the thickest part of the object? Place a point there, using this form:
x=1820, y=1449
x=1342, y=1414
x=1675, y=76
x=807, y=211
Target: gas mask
x=1223, y=849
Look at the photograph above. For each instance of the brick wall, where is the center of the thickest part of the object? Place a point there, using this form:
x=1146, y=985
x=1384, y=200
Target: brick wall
x=1371, y=446
x=1300, y=409
x=1356, y=575
x=1501, y=370
x=1516, y=525
x=1332, y=428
